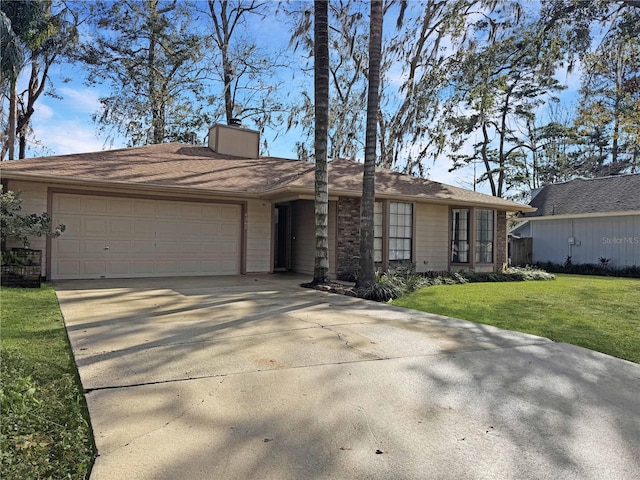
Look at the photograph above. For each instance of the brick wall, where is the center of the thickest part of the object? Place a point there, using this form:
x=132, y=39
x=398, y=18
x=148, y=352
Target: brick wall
x=348, y=241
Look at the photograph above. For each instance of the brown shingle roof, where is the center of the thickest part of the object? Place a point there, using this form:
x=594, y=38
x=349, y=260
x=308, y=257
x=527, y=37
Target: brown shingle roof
x=199, y=168
x=167, y=164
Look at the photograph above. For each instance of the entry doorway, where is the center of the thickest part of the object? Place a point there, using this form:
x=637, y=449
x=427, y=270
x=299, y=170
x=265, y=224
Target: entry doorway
x=282, y=240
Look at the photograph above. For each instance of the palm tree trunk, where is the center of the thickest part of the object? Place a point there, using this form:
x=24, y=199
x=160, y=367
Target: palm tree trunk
x=366, y=276
x=321, y=91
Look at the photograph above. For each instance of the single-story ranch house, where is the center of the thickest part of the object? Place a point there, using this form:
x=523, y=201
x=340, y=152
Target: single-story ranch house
x=176, y=209
x=585, y=219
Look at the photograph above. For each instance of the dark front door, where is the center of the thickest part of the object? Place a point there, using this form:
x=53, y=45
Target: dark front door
x=282, y=234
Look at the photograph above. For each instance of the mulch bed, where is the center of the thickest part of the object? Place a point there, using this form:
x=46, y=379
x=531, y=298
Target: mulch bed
x=332, y=287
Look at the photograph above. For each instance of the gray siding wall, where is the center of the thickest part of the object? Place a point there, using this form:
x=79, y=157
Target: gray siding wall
x=615, y=238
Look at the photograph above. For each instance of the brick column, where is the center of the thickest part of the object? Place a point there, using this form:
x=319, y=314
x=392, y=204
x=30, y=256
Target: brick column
x=348, y=239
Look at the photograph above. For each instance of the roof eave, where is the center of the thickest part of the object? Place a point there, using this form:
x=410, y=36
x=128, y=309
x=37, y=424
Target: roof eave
x=146, y=187
x=623, y=213
x=303, y=191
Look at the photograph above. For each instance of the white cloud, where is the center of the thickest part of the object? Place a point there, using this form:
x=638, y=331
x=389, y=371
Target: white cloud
x=85, y=100
x=42, y=112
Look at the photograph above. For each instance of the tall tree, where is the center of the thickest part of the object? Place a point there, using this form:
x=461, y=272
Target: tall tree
x=149, y=54
x=60, y=36
x=505, y=75
x=348, y=33
x=321, y=99
x=31, y=34
x=246, y=70
x=609, y=111
x=366, y=275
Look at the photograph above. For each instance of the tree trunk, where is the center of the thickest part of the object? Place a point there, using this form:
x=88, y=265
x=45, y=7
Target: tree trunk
x=13, y=110
x=366, y=276
x=321, y=88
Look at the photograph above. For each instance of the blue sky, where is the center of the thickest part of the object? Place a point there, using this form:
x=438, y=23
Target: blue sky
x=63, y=125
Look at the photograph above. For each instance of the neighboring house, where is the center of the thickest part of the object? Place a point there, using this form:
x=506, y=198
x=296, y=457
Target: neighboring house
x=585, y=219
x=176, y=209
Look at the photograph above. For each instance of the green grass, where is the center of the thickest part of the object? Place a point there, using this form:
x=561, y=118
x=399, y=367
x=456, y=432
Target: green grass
x=45, y=432
x=599, y=313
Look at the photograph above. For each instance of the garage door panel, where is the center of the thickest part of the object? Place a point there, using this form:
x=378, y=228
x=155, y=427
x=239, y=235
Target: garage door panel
x=69, y=269
x=67, y=246
x=93, y=268
x=120, y=226
x=92, y=246
x=190, y=229
x=167, y=248
x=168, y=228
x=120, y=247
x=120, y=206
x=120, y=268
x=94, y=205
x=144, y=208
x=142, y=268
x=144, y=237
x=212, y=229
x=72, y=223
x=167, y=267
x=227, y=267
x=145, y=228
x=95, y=226
x=193, y=210
x=211, y=210
x=141, y=247
x=190, y=248
x=171, y=209
x=67, y=204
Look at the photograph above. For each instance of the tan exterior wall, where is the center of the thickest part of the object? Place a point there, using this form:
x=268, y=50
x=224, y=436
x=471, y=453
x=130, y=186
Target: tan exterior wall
x=259, y=236
x=432, y=237
x=34, y=200
x=302, y=237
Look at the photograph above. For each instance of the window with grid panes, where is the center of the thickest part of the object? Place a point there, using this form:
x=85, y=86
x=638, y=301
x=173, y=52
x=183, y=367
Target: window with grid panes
x=377, y=232
x=484, y=236
x=400, y=231
x=460, y=235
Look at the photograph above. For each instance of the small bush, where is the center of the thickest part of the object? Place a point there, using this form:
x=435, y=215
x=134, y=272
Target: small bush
x=386, y=287
x=402, y=281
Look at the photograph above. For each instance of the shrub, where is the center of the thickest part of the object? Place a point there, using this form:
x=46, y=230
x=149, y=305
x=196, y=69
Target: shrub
x=402, y=281
x=387, y=286
x=600, y=269
x=14, y=224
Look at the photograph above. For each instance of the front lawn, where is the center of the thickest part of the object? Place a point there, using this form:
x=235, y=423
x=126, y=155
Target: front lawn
x=45, y=431
x=599, y=313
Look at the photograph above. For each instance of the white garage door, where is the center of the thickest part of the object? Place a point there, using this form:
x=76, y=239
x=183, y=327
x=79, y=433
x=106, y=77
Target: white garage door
x=111, y=237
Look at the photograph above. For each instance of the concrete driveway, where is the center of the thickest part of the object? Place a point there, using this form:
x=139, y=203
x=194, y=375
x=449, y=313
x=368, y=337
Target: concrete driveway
x=257, y=378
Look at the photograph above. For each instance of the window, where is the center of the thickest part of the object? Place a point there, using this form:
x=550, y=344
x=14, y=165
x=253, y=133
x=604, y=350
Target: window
x=484, y=236
x=377, y=232
x=400, y=231
x=460, y=235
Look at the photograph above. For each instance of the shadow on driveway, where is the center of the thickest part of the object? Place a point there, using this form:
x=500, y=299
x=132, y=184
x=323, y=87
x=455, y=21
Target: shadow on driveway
x=255, y=377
